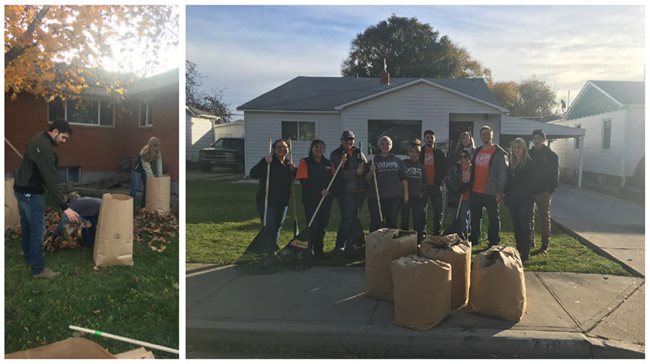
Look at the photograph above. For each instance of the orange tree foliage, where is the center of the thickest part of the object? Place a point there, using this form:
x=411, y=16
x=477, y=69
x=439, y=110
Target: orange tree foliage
x=56, y=51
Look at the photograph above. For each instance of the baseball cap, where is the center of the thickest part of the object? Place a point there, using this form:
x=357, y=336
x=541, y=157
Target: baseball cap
x=348, y=134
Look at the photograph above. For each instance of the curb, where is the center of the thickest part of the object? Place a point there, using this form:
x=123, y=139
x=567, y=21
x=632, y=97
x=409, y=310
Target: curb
x=598, y=250
x=207, y=268
x=615, y=349
x=324, y=340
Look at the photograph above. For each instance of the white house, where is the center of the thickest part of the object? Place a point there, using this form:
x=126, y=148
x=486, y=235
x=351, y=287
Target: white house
x=306, y=108
x=199, y=131
x=613, y=115
x=234, y=129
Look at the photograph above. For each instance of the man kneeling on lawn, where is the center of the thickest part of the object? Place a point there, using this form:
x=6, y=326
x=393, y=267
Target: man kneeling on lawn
x=38, y=171
x=88, y=208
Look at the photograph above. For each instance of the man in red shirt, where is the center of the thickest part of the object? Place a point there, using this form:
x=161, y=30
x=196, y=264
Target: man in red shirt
x=488, y=181
x=435, y=169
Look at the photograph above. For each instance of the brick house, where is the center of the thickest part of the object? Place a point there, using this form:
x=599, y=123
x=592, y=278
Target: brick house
x=107, y=133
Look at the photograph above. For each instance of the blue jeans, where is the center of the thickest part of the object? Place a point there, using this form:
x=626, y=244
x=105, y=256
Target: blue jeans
x=390, y=208
x=134, y=186
x=88, y=234
x=415, y=205
x=32, y=229
x=478, y=201
x=317, y=230
x=434, y=195
x=348, y=211
x=465, y=217
x=274, y=218
x=520, y=213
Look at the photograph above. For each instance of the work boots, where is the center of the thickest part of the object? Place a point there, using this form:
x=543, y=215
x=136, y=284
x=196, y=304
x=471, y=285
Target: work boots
x=47, y=274
x=544, y=247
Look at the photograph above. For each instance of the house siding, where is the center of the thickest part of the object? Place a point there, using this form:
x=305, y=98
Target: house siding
x=229, y=130
x=198, y=134
x=259, y=127
x=432, y=105
x=626, y=146
x=97, y=150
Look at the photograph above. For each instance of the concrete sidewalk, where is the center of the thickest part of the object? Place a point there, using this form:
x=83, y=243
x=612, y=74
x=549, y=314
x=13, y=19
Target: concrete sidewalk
x=322, y=312
x=614, y=227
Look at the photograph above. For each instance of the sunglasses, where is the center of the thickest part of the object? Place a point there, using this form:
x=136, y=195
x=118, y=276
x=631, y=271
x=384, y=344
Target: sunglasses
x=281, y=147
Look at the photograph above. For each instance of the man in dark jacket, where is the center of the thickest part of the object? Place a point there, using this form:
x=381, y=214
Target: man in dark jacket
x=546, y=162
x=349, y=188
x=36, y=173
x=435, y=169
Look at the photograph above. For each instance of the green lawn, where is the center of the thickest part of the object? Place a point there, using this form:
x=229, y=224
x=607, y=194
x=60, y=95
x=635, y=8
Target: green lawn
x=222, y=221
x=139, y=302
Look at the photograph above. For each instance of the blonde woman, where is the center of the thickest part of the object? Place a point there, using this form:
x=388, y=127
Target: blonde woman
x=466, y=144
x=519, y=194
x=149, y=163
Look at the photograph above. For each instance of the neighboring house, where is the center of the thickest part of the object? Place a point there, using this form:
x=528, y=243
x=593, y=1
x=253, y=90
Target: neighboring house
x=229, y=130
x=199, y=131
x=107, y=133
x=613, y=115
x=306, y=108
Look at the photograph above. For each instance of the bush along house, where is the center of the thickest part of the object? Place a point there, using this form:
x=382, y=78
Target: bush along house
x=108, y=132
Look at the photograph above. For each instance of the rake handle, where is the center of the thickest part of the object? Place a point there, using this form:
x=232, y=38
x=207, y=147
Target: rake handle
x=268, y=177
x=14, y=148
x=374, y=177
x=124, y=339
x=323, y=197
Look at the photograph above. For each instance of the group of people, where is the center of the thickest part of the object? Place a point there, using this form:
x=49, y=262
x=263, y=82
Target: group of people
x=472, y=178
x=38, y=172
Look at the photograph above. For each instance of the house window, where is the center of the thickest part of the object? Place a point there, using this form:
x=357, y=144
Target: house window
x=83, y=111
x=607, y=133
x=402, y=132
x=55, y=110
x=299, y=130
x=577, y=139
x=69, y=174
x=145, y=114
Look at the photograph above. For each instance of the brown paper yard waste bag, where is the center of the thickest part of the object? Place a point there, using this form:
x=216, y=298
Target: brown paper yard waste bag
x=114, y=239
x=158, y=192
x=382, y=247
x=498, y=285
x=12, y=215
x=457, y=252
x=73, y=348
x=421, y=291
x=77, y=348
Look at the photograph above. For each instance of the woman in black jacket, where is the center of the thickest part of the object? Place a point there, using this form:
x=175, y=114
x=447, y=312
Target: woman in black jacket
x=314, y=174
x=280, y=182
x=519, y=194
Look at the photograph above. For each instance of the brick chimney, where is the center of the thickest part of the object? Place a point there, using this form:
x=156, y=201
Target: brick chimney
x=384, y=75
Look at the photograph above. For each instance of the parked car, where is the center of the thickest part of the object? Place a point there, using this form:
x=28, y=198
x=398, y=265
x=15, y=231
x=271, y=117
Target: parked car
x=225, y=152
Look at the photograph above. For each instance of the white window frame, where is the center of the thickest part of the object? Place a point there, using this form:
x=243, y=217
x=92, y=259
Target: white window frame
x=148, y=109
x=298, y=129
x=99, y=111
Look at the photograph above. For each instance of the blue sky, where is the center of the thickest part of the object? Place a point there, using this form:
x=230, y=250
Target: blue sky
x=248, y=50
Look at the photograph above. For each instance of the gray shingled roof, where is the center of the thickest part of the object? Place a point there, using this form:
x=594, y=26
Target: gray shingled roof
x=625, y=92
x=325, y=93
